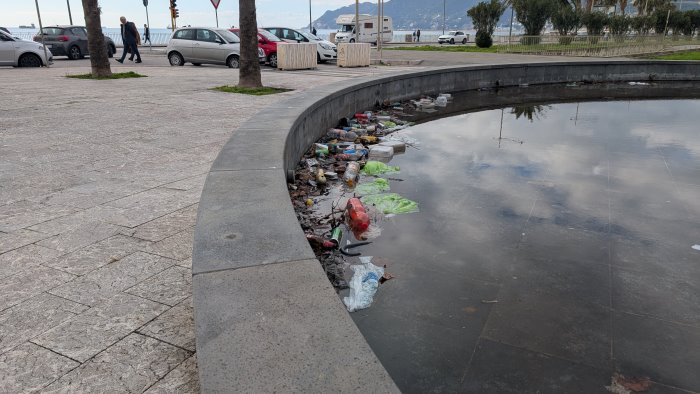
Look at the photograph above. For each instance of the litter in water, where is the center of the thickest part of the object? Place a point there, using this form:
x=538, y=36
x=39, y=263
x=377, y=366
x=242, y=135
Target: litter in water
x=363, y=285
x=377, y=168
x=391, y=203
x=379, y=185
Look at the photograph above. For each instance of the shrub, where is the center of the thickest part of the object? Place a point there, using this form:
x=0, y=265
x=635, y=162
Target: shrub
x=566, y=19
x=534, y=14
x=595, y=23
x=642, y=24
x=619, y=25
x=483, y=39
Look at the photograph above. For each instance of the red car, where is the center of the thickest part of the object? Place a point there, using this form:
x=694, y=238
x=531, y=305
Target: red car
x=267, y=42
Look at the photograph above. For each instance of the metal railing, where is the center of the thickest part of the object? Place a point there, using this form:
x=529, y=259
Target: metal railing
x=598, y=46
x=157, y=39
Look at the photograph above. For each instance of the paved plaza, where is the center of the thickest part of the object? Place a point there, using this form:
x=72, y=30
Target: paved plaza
x=99, y=187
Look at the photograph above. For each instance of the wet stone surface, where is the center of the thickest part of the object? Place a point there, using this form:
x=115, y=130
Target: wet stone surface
x=552, y=249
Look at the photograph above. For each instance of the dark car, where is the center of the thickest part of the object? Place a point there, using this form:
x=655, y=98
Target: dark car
x=71, y=41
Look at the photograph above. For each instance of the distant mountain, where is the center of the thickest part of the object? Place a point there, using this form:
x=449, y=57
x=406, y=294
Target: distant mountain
x=410, y=14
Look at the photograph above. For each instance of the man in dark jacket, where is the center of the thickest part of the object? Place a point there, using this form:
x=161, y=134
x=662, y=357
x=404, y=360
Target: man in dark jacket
x=129, y=37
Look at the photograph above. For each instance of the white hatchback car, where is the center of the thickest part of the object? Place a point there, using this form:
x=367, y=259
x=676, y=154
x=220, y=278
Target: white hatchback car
x=22, y=53
x=326, y=50
x=200, y=45
x=452, y=37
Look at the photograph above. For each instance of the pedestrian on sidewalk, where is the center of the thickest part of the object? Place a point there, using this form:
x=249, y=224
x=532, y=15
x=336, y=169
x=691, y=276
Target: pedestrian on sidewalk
x=313, y=31
x=130, y=38
x=418, y=35
x=146, y=34
x=414, y=36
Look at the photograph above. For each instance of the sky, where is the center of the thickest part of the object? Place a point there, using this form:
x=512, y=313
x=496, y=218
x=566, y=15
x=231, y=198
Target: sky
x=292, y=13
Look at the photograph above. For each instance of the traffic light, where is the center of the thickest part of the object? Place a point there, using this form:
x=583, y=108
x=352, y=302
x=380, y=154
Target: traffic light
x=172, y=12
x=173, y=3
x=177, y=13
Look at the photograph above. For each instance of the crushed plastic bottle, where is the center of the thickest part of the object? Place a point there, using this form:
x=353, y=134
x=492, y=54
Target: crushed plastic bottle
x=357, y=215
x=352, y=171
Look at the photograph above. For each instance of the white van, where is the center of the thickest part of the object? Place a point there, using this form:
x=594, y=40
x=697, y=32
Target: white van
x=368, y=29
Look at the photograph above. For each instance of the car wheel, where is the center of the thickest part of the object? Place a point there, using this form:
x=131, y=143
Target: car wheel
x=29, y=60
x=464, y=41
x=273, y=60
x=352, y=40
x=232, y=61
x=176, y=59
x=74, y=53
x=452, y=40
x=197, y=64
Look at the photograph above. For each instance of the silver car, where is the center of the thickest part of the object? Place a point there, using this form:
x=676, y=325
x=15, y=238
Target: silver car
x=200, y=45
x=22, y=53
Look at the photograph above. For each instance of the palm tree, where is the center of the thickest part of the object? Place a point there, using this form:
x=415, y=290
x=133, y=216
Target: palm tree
x=99, y=61
x=249, y=75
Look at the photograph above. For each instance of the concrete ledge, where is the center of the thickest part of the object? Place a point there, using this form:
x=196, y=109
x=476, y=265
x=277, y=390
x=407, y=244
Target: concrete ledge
x=266, y=317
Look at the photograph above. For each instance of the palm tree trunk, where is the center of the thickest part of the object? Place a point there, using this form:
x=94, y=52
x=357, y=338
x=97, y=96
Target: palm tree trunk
x=589, y=5
x=96, y=40
x=623, y=5
x=249, y=75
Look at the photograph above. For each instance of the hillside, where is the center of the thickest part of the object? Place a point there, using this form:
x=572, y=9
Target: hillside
x=409, y=14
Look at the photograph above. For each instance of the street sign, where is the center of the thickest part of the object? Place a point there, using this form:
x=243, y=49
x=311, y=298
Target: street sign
x=215, y=3
x=145, y=3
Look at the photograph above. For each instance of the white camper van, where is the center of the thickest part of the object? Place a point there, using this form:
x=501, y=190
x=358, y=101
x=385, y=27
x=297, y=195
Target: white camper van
x=368, y=29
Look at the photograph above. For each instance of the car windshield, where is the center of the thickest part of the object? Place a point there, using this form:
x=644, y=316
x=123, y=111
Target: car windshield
x=228, y=36
x=269, y=36
x=452, y=33
x=346, y=29
x=310, y=36
x=52, y=31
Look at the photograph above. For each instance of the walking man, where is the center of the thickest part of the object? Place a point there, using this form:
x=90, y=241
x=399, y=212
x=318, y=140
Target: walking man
x=146, y=34
x=129, y=37
x=418, y=35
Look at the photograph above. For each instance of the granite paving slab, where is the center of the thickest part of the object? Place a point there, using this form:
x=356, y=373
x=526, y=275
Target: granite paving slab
x=84, y=235
x=175, y=326
x=96, y=215
x=99, y=254
x=25, y=257
x=103, y=283
x=29, y=368
x=129, y=366
x=33, y=317
x=168, y=287
x=168, y=225
x=33, y=214
x=19, y=238
x=178, y=246
x=97, y=329
x=181, y=380
x=26, y=284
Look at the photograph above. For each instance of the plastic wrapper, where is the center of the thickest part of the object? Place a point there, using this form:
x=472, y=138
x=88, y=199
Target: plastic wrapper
x=377, y=168
x=363, y=285
x=388, y=203
x=379, y=185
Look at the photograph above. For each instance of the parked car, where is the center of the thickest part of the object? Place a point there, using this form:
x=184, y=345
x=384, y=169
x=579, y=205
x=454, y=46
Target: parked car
x=17, y=52
x=267, y=42
x=71, y=41
x=326, y=50
x=200, y=45
x=452, y=37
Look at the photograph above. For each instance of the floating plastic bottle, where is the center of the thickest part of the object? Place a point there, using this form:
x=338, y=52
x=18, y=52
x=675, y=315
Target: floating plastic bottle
x=352, y=171
x=357, y=215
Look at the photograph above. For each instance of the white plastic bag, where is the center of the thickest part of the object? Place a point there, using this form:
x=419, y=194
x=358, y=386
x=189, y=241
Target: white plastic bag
x=363, y=285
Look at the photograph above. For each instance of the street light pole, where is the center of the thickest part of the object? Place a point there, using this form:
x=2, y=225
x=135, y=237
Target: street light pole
x=41, y=30
x=357, y=21
x=70, y=17
x=510, y=31
x=443, y=17
x=310, y=23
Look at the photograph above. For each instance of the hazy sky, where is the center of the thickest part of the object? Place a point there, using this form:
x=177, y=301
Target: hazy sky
x=293, y=13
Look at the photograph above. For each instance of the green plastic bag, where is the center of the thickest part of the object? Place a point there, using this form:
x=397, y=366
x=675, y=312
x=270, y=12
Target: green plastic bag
x=391, y=203
x=378, y=186
x=377, y=167
x=388, y=124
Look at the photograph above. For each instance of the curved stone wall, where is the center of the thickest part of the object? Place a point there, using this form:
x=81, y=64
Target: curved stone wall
x=266, y=317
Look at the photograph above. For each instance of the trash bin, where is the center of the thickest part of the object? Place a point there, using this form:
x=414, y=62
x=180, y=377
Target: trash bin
x=409, y=38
